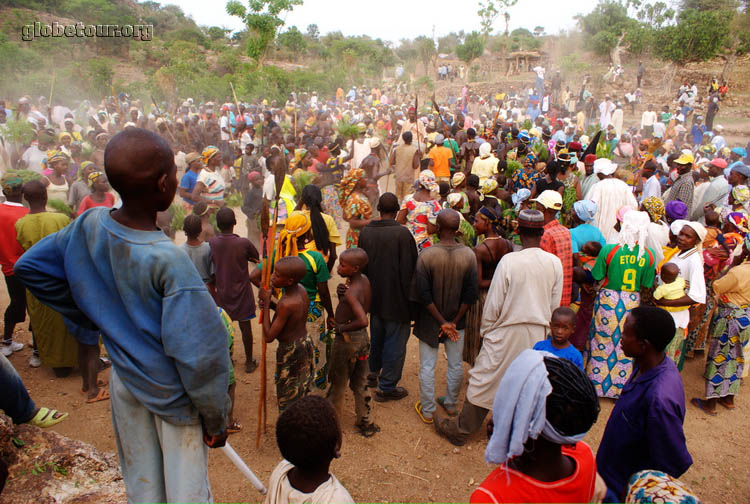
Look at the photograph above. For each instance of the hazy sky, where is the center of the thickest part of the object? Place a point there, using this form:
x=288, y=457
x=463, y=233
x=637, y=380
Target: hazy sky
x=396, y=19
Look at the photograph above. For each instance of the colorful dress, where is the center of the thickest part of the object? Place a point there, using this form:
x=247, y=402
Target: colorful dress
x=730, y=333
x=624, y=275
x=418, y=215
x=525, y=179
x=356, y=206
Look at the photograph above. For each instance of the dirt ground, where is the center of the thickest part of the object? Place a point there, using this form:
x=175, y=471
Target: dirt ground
x=407, y=461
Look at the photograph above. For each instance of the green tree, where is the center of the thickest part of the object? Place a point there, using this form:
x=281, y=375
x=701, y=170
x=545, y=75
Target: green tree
x=263, y=19
x=313, y=32
x=426, y=51
x=293, y=39
x=447, y=44
x=100, y=76
x=539, y=31
x=610, y=30
x=471, y=48
x=217, y=33
x=488, y=12
x=697, y=36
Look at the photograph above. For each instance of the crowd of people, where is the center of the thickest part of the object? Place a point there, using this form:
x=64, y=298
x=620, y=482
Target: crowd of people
x=564, y=258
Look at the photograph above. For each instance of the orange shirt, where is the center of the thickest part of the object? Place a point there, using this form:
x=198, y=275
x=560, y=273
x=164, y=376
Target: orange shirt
x=514, y=486
x=441, y=157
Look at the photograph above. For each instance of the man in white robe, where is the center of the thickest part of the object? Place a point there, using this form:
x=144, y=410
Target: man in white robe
x=526, y=288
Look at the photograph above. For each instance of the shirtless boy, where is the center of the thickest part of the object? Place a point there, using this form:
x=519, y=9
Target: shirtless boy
x=351, y=347
x=294, y=356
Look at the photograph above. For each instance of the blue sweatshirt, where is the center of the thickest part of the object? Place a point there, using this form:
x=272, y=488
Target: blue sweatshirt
x=159, y=324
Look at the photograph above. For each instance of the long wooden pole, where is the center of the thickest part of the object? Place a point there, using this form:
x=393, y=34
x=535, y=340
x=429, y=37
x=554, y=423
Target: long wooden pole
x=51, y=89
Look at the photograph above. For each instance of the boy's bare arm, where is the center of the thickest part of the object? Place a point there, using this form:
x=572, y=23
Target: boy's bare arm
x=359, y=319
x=272, y=329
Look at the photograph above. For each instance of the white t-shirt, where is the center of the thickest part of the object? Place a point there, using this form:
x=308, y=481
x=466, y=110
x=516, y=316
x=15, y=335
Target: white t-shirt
x=280, y=491
x=224, y=123
x=33, y=158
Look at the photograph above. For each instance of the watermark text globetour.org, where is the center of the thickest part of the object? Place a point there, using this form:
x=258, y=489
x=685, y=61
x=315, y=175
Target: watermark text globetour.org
x=44, y=30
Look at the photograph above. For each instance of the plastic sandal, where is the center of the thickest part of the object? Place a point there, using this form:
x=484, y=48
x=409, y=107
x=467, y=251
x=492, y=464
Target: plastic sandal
x=368, y=430
x=103, y=395
x=99, y=383
x=698, y=403
x=234, y=428
x=418, y=408
x=45, y=417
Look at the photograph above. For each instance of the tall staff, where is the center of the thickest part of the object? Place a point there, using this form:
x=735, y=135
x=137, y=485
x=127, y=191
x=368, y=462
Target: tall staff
x=278, y=168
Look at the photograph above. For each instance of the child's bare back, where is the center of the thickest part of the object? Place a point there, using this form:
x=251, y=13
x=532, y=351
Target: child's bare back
x=294, y=304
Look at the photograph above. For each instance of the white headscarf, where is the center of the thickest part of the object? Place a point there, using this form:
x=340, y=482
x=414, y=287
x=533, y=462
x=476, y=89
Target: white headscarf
x=485, y=149
x=520, y=409
x=634, y=230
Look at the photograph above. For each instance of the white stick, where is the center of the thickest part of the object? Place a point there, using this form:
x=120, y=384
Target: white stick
x=242, y=466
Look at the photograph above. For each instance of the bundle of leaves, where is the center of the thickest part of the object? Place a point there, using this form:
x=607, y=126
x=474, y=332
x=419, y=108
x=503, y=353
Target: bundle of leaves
x=511, y=166
x=233, y=200
x=19, y=132
x=178, y=216
x=61, y=207
x=348, y=130
x=26, y=175
x=302, y=179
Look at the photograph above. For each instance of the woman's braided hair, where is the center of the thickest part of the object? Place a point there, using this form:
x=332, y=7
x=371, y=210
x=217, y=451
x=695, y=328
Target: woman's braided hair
x=572, y=406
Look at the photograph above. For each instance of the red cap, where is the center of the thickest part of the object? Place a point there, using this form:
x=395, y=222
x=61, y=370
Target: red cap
x=719, y=163
x=589, y=159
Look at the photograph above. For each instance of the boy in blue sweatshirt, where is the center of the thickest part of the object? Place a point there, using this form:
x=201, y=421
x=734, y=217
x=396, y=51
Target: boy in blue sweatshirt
x=114, y=270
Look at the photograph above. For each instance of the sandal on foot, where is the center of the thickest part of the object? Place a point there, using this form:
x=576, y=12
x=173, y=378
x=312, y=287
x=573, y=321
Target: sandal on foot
x=727, y=406
x=251, y=366
x=441, y=402
x=99, y=383
x=701, y=405
x=234, y=428
x=418, y=408
x=368, y=430
x=104, y=363
x=45, y=417
x=102, y=395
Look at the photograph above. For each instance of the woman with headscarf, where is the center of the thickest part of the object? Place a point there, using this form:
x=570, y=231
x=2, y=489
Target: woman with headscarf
x=689, y=259
x=293, y=240
x=209, y=187
x=485, y=166
x=543, y=409
x=489, y=251
x=739, y=199
x=357, y=210
x=325, y=233
x=626, y=269
x=54, y=178
x=520, y=201
x=327, y=179
x=527, y=176
x=658, y=231
x=419, y=210
x=80, y=188
x=583, y=231
x=730, y=334
x=465, y=230
x=458, y=184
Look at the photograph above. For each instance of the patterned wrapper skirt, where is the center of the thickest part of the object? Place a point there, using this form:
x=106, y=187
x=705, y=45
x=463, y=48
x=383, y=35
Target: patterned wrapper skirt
x=725, y=360
x=676, y=348
x=473, y=338
x=321, y=340
x=606, y=364
x=331, y=204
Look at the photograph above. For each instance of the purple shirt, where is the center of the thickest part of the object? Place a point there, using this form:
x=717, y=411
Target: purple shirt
x=644, y=430
x=230, y=254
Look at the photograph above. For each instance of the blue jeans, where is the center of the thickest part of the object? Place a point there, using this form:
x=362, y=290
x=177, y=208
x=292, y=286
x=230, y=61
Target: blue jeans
x=453, y=378
x=387, y=350
x=160, y=462
x=14, y=399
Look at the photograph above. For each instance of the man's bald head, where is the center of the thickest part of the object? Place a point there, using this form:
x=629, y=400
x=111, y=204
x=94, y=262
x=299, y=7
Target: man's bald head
x=140, y=165
x=448, y=219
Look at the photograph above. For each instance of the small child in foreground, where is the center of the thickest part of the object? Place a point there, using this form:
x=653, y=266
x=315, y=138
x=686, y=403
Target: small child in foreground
x=561, y=328
x=309, y=438
x=351, y=347
x=294, y=355
x=672, y=286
